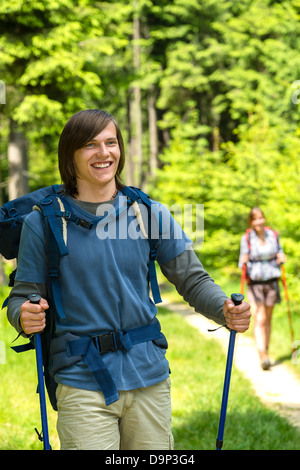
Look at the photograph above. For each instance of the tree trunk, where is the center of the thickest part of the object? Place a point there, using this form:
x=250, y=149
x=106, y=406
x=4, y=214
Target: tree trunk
x=129, y=165
x=135, y=114
x=153, y=134
x=17, y=163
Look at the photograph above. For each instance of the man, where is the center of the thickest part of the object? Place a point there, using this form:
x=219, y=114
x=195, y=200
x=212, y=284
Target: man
x=120, y=398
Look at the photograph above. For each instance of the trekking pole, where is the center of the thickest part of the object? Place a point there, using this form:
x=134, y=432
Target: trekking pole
x=243, y=278
x=35, y=299
x=283, y=278
x=237, y=300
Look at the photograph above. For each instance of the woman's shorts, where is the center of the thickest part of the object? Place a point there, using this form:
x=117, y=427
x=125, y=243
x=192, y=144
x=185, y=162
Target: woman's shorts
x=266, y=293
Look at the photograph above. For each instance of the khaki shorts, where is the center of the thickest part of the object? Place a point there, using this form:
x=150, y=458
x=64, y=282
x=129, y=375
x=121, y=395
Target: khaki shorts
x=267, y=294
x=139, y=420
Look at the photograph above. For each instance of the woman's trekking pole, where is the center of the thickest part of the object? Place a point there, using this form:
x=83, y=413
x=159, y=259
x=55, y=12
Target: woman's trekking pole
x=237, y=299
x=243, y=278
x=35, y=298
x=283, y=278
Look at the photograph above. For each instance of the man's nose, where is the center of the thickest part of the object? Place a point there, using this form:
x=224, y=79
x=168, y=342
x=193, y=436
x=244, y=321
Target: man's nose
x=103, y=150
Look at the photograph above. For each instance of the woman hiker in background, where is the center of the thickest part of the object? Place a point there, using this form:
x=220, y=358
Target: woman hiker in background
x=104, y=284
x=262, y=254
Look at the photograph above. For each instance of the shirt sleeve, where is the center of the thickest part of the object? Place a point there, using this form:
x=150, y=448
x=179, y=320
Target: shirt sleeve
x=195, y=285
x=31, y=275
x=32, y=259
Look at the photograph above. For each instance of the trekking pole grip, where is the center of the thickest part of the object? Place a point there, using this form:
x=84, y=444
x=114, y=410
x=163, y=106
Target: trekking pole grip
x=35, y=299
x=237, y=300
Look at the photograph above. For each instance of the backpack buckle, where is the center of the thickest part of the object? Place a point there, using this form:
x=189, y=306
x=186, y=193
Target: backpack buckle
x=66, y=215
x=84, y=223
x=106, y=342
x=46, y=202
x=13, y=212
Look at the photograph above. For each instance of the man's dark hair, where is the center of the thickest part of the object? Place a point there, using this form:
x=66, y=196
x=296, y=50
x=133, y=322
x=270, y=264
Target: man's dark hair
x=78, y=131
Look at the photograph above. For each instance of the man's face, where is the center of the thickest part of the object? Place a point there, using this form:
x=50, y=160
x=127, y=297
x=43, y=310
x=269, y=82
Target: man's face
x=97, y=162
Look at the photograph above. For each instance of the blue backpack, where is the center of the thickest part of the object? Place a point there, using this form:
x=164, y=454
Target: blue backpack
x=12, y=215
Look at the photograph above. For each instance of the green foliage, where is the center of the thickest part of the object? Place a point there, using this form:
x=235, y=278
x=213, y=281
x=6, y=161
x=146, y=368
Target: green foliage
x=223, y=74
x=49, y=71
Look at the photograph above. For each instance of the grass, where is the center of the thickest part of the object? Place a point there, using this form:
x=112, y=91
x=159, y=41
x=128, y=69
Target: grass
x=197, y=366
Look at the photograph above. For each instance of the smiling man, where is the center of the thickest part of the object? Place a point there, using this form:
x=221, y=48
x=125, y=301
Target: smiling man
x=90, y=162
x=96, y=165
x=109, y=354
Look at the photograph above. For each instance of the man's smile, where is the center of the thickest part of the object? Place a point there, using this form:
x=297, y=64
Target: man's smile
x=100, y=165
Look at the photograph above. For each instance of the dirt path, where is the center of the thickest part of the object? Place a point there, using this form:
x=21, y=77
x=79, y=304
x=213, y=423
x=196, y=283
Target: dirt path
x=278, y=387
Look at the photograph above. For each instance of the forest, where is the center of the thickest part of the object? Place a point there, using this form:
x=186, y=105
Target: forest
x=206, y=93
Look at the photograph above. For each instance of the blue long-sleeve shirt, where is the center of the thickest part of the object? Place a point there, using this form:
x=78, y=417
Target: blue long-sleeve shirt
x=104, y=285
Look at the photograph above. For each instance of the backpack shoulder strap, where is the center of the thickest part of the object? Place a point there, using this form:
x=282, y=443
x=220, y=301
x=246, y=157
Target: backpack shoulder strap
x=56, y=244
x=276, y=235
x=134, y=196
x=56, y=213
x=52, y=209
x=275, y=232
x=247, y=235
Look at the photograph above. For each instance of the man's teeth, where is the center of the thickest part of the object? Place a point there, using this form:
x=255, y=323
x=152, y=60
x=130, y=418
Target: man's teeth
x=101, y=165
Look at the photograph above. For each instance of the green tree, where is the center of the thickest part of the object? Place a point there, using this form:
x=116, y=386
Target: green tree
x=49, y=73
x=227, y=93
